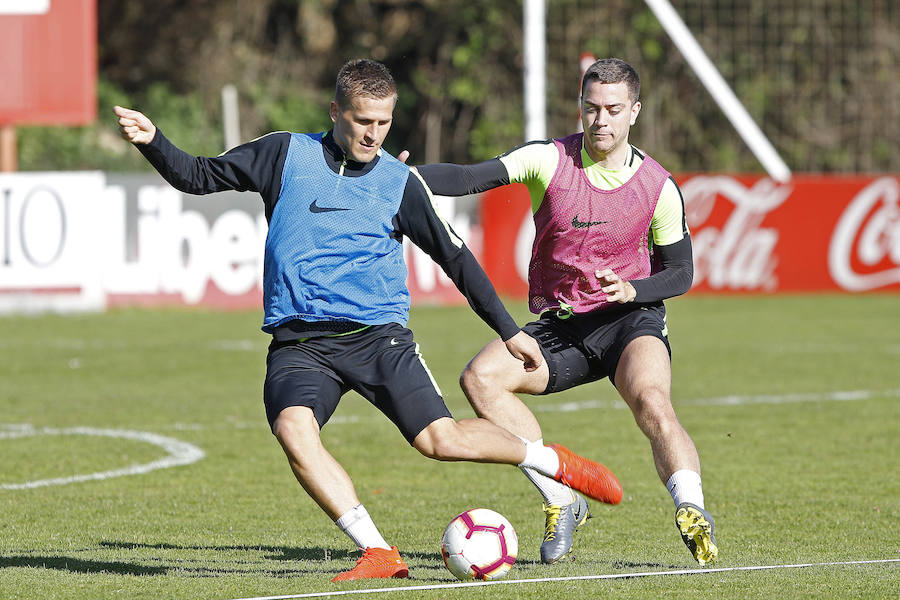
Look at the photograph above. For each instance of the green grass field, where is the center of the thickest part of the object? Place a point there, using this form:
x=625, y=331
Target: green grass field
x=792, y=402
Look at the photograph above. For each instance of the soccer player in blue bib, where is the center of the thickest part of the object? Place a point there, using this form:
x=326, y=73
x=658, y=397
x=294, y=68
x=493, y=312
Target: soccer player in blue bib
x=336, y=302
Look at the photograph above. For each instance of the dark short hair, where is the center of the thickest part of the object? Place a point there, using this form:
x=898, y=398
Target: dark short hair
x=613, y=70
x=363, y=77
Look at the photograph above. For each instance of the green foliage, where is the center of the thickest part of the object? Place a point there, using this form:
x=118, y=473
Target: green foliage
x=185, y=118
x=491, y=137
x=284, y=110
x=92, y=147
x=98, y=146
x=819, y=79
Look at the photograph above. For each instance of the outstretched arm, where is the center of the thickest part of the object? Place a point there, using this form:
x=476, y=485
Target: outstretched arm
x=533, y=162
x=255, y=166
x=418, y=220
x=447, y=179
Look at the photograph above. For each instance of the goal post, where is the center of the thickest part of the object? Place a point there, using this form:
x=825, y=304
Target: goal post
x=535, y=87
x=746, y=127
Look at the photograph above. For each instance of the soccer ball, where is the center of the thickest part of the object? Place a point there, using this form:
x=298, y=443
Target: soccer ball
x=479, y=544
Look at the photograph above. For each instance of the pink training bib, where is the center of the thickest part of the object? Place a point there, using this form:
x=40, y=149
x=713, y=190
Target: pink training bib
x=581, y=228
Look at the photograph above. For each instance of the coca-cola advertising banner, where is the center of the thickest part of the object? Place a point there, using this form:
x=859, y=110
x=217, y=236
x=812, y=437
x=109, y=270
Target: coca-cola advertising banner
x=749, y=234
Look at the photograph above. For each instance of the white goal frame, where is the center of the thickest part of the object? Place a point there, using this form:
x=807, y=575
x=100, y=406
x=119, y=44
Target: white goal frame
x=535, y=88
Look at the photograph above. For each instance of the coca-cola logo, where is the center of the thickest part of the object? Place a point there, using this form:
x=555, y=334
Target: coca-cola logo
x=739, y=254
x=867, y=236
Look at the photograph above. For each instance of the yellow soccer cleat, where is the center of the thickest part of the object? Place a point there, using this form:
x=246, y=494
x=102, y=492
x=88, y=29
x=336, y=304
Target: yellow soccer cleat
x=698, y=530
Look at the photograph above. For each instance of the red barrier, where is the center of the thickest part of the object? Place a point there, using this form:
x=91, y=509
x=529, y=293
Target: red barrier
x=750, y=234
x=49, y=65
x=73, y=241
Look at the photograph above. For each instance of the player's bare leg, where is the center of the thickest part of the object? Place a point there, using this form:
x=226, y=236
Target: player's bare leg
x=476, y=440
x=329, y=485
x=490, y=382
x=323, y=478
x=479, y=440
x=643, y=378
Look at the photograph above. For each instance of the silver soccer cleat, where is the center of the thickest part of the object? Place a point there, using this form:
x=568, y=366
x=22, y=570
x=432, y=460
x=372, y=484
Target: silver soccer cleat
x=561, y=525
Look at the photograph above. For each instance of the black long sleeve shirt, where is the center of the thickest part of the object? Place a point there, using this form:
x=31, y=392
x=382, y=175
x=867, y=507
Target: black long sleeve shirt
x=257, y=166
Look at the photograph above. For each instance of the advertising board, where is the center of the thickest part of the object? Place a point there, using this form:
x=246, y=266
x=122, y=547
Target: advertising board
x=87, y=240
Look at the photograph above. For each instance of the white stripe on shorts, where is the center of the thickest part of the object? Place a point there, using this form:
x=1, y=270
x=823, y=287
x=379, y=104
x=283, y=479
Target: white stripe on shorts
x=427, y=370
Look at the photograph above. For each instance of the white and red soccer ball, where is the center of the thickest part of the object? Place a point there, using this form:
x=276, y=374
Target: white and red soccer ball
x=479, y=544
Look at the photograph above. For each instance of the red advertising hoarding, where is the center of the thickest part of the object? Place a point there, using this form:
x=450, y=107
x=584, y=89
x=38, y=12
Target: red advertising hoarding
x=49, y=65
x=85, y=241
x=749, y=234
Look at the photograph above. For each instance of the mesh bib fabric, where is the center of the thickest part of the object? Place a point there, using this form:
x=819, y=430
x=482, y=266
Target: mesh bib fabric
x=581, y=228
x=329, y=255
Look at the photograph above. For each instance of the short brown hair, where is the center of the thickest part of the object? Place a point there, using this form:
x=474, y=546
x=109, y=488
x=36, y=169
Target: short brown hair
x=613, y=70
x=363, y=77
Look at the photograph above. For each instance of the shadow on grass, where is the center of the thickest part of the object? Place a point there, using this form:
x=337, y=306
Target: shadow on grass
x=424, y=565
x=78, y=565
x=429, y=565
x=280, y=552
x=274, y=552
x=177, y=567
x=195, y=566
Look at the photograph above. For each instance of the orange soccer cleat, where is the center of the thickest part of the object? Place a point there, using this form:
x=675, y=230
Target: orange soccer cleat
x=588, y=477
x=376, y=563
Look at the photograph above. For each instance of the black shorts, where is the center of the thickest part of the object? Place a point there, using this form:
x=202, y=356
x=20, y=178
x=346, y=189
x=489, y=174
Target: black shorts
x=585, y=348
x=381, y=363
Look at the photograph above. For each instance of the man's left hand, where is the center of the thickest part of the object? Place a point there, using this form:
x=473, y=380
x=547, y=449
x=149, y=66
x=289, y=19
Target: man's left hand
x=615, y=288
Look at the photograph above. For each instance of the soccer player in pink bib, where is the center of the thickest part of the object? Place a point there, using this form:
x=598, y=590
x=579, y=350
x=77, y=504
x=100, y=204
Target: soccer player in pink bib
x=611, y=244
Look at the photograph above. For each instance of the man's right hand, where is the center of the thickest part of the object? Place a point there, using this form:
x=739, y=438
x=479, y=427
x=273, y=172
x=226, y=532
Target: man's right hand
x=134, y=126
x=525, y=348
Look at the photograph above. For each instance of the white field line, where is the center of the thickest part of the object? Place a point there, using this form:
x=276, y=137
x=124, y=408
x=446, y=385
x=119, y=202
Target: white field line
x=633, y=575
x=237, y=345
x=835, y=396
x=565, y=407
x=183, y=453
x=180, y=453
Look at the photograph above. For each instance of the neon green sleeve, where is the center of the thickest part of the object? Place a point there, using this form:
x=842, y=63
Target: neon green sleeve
x=668, y=224
x=533, y=164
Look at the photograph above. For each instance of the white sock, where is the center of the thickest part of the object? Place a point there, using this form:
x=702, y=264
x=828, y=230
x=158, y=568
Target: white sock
x=685, y=486
x=540, y=458
x=554, y=492
x=360, y=528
